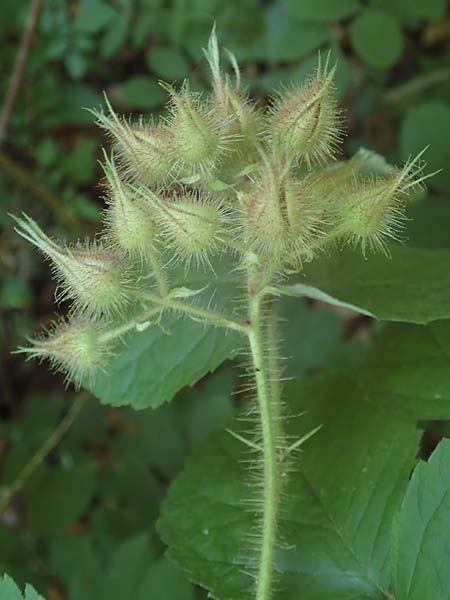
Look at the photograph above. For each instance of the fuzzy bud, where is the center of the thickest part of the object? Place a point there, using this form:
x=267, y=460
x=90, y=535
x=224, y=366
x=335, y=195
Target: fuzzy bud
x=143, y=150
x=78, y=348
x=129, y=220
x=280, y=217
x=238, y=115
x=193, y=225
x=199, y=142
x=94, y=277
x=372, y=210
x=305, y=121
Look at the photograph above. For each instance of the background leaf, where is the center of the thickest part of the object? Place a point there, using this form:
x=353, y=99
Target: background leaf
x=377, y=38
x=429, y=125
x=140, y=92
x=420, y=546
x=322, y=10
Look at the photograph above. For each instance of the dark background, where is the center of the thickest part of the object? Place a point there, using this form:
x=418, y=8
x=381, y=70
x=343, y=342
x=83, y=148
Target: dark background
x=96, y=494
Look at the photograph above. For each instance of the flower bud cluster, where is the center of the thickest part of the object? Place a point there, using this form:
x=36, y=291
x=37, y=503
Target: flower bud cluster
x=217, y=174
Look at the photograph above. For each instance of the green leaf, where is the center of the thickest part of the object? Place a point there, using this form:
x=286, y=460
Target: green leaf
x=287, y=39
x=154, y=364
x=10, y=591
x=428, y=225
x=134, y=570
x=140, y=92
x=377, y=38
x=337, y=510
x=412, y=286
x=59, y=497
x=168, y=62
x=309, y=334
x=420, y=549
x=411, y=11
x=322, y=10
x=429, y=125
x=411, y=363
x=164, y=580
x=94, y=15
x=433, y=9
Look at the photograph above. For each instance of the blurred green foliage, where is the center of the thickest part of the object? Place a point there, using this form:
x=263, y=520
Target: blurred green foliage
x=94, y=500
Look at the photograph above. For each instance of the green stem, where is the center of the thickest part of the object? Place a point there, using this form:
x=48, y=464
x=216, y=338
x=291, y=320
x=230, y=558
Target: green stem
x=158, y=272
x=43, y=452
x=121, y=330
x=271, y=475
x=197, y=312
x=273, y=361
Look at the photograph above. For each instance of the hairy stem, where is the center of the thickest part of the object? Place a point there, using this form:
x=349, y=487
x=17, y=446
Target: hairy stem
x=197, y=312
x=273, y=361
x=158, y=272
x=268, y=409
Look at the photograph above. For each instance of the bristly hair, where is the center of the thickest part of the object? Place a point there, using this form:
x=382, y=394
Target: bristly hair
x=305, y=121
x=76, y=347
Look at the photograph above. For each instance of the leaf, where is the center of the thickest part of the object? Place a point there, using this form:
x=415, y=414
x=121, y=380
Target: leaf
x=164, y=437
x=59, y=497
x=10, y=591
x=140, y=92
x=156, y=363
x=309, y=334
x=412, y=286
x=322, y=10
x=168, y=62
x=428, y=225
x=94, y=15
x=433, y=9
x=411, y=363
x=134, y=570
x=420, y=548
x=429, y=125
x=344, y=491
x=411, y=11
x=379, y=51
x=287, y=39
x=338, y=508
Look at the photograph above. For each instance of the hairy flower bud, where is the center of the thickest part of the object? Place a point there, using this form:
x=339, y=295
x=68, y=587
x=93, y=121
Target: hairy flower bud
x=199, y=142
x=143, y=150
x=77, y=347
x=193, y=225
x=94, y=277
x=372, y=210
x=238, y=115
x=129, y=220
x=305, y=121
x=280, y=217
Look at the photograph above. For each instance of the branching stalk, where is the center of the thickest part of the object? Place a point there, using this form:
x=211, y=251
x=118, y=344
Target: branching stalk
x=197, y=312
